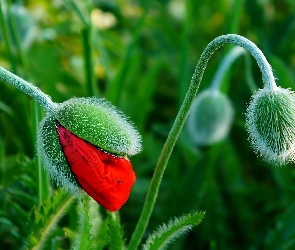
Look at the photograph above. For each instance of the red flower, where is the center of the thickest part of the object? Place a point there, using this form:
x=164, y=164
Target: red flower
x=105, y=177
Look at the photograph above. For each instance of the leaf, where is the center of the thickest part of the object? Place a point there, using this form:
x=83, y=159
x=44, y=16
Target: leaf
x=165, y=234
x=88, y=224
x=77, y=10
x=44, y=218
x=116, y=241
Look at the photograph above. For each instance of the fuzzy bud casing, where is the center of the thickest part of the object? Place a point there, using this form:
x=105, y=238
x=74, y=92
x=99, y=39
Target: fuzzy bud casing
x=100, y=123
x=84, y=144
x=270, y=121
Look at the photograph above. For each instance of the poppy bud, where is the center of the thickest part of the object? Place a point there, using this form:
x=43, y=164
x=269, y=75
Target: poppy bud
x=270, y=121
x=84, y=143
x=210, y=117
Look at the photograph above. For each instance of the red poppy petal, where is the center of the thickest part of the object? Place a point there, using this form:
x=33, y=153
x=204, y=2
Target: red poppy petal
x=105, y=177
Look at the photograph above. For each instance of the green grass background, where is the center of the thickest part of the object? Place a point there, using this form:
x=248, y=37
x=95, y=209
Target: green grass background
x=143, y=64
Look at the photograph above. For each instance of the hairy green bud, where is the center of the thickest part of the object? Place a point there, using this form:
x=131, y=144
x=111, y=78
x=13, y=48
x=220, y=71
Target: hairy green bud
x=270, y=121
x=95, y=121
x=100, y=123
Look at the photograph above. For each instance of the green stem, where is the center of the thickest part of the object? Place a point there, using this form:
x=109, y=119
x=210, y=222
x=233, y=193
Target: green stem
x=72, y=5
x=226, y=63
x=29, y=89
x=6, y=35
x=16, y=36
x=234, y=20
x=269, y=81
x=104, y=57
x=116, y=86
x=184, y=55
x=43, y=177
x=116, y=241
x=88, y=60
x=228, y=60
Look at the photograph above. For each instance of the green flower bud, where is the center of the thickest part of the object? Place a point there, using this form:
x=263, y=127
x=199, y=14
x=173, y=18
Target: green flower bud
x=98, y=122
x=270, y=121
x=101, y=127
x=210, y=117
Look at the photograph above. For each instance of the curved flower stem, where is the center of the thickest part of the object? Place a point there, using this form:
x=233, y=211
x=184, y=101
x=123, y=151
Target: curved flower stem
x=269, y=81
x=29, y=89
x=228, y=60
x=226, y=63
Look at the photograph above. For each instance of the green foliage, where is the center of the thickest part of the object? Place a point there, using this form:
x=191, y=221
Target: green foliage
x=282, y=236
x=246, y=200
x=115, y=232
x=44, y=219
x=89, y=223
x=166, y=234
x=77, y=8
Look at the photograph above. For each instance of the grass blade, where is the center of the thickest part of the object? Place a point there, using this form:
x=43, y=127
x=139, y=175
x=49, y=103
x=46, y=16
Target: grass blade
x=88, y=225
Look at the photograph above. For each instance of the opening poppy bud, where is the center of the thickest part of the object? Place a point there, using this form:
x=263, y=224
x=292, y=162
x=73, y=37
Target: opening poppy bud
x=270, y=121
x=105, y=177
x=87, y=153
x=210, y=117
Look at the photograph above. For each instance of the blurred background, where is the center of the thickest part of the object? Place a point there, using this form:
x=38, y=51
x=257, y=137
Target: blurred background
x=141, y=55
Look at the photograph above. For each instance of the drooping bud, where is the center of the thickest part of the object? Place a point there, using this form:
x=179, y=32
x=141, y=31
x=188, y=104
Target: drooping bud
x=270, y=121
x=84, y=144
x=210, y=117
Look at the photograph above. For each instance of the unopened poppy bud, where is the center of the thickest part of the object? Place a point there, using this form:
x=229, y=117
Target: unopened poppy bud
x=100, y=123
x=84, y=143
x=270, y=121
x=210, y=117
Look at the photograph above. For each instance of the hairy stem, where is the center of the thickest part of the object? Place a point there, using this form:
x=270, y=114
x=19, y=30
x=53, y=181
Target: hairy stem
x=269, y=81
x=29, y=89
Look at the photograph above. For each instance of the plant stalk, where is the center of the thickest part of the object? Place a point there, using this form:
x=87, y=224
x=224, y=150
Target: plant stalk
x=88, y=60
x=6, y=35
x=29, y=89
x=43, y=180
x=269, y=81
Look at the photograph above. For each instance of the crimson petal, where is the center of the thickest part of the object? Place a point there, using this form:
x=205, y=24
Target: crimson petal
x=105, y=177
